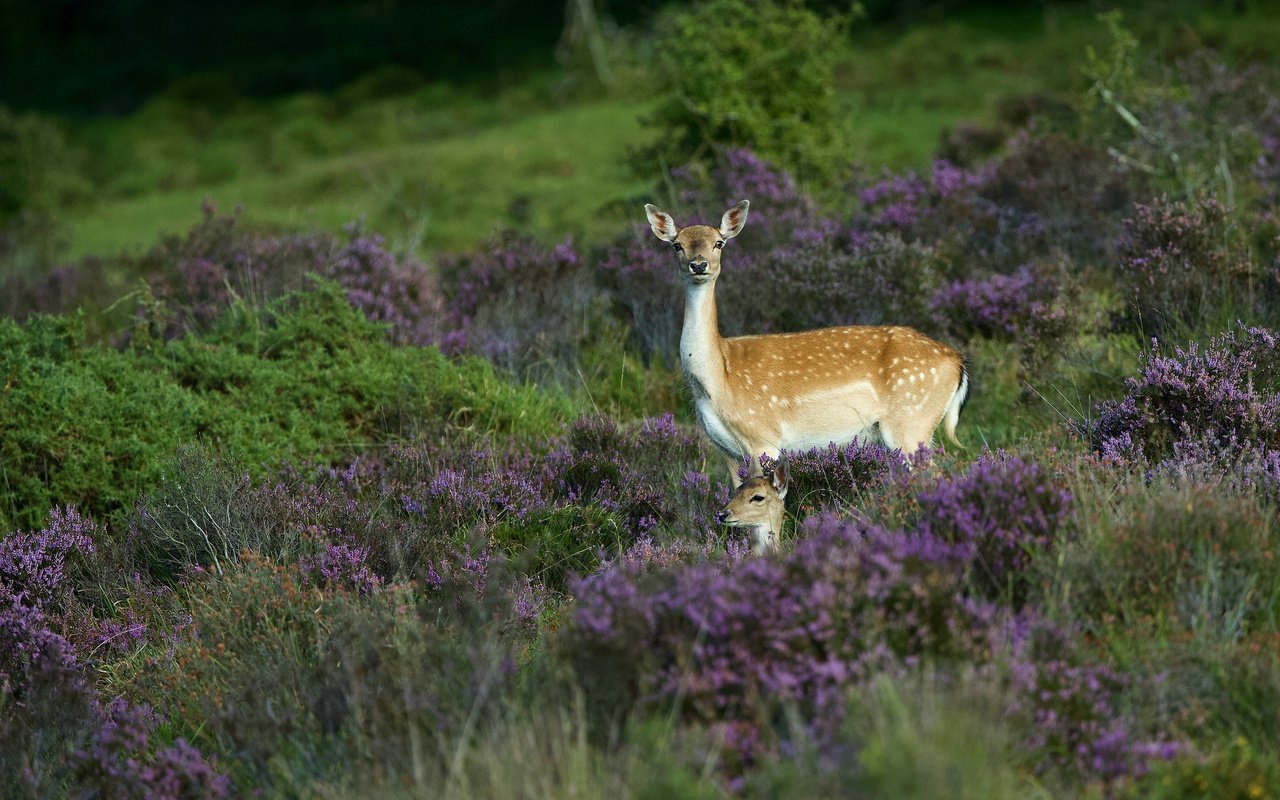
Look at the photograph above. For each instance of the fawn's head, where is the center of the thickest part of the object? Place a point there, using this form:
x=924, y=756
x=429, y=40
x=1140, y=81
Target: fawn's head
x=759, y=503
x=697, y=247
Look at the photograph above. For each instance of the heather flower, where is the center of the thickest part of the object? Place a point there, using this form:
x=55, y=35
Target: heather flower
x=518, y=302
x=729, y=639
x=1001, y=513
x=1028, y=307
x=119, y=762
x=833, y=476
x=1068, y=708
x=340, y=564
x=1222, y=396
x=36, y=565
x=1182, y=260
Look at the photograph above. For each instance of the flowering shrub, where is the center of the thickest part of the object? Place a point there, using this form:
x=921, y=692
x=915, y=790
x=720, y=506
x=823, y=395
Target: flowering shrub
x=49, y=705
x=119, y=762
x=1028, y=307
x=1001, y=514
x=1022, y=206
x=1223, y=395
x=834, y=476
x=868, y=279
x=1069, y=712
x=218, y=264
x=728, y=641
x=340, y=672
x=35, y=565
x=1182, y=262
x=517, y=302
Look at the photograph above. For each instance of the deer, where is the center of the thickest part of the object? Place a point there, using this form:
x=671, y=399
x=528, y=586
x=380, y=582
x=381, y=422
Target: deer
x=760, y=394
x=759, y=504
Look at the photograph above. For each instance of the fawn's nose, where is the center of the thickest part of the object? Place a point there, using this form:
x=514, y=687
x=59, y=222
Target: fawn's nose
x=722, y=515
x=698, y=267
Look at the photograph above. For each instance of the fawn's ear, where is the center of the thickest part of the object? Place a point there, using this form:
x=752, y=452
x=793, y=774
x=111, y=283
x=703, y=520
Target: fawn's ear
x=733, y=220
x=781, y=476
x=664, y=227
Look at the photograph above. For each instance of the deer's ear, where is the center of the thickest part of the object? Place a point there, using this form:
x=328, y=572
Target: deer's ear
x=733, y=220
x=664, y=227
x=781, y=476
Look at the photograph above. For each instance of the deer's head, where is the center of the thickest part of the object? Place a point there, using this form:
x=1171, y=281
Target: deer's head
x=759, y=504
x=697, y=247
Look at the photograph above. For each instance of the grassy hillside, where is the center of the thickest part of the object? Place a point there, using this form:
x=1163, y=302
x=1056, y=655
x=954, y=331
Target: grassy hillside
x=419, y=507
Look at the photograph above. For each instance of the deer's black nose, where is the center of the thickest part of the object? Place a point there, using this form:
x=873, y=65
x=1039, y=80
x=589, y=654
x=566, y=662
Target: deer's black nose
x=698, y=267
x=722, y=515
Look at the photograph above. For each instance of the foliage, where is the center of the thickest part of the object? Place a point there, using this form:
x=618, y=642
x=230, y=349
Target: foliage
x=1003, y=513
x=726, y=642
x=306, y=378
x=40, y=174
x=1221, y=397
x=747, y=72
x=1184, y=261
x=1030, y=308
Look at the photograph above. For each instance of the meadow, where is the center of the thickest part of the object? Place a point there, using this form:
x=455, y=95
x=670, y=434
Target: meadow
x=344, y=450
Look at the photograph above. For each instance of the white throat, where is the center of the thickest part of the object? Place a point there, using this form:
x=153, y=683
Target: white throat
x=700, y=352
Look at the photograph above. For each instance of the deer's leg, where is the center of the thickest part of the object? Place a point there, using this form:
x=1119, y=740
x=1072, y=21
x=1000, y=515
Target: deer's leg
x=733, y=464
x=909, y=437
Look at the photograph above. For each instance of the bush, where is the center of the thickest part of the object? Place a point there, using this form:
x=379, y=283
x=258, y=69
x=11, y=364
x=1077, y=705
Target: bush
x=1237, y=771
x=748, y=72
x=1175, y=555
x=1029, y=203
x=1221, y=399
x=730, y=643
x=1067, y=706
x=523, y=306
x=192, y=280
x=307, y=379
x=40, y=173
x=834, y=477
x=1002, y=514
x=1027, y=308
x=356, y=683
x=1184, y=263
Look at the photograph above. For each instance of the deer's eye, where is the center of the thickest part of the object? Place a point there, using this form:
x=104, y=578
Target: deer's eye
x=719, y=245
x=676, y=246
x=758, y=498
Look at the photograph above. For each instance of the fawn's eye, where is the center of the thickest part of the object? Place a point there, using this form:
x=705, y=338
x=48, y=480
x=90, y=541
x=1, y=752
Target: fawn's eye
x=758, y=498
x=719, y=245
x=677, y=247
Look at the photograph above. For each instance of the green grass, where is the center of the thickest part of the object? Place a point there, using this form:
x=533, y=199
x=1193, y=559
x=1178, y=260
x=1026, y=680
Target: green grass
x=439, y=169
x=447, y=193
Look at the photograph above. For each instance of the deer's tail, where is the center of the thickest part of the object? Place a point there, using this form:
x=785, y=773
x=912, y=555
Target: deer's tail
x=951, y=417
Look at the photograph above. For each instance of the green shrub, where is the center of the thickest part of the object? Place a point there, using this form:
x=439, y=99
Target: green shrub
x=1170, y=556
x=307, y=684
x=752, y=73
x=83, y=426
x=559, y=540
x=39, y=174
x=307, y=379
x=1238, y=771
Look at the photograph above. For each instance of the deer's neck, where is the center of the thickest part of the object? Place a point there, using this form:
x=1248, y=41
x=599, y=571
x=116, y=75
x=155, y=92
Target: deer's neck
x=701, y=350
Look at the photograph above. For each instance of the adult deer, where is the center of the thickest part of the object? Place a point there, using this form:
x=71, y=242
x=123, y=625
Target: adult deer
x=761, y=394
x=759, y=504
